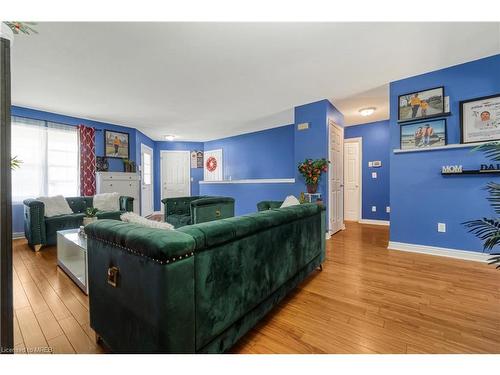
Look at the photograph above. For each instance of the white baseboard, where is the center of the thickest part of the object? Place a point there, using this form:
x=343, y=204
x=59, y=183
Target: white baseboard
x=374, y=222
x=17, y=235
x=440, y=251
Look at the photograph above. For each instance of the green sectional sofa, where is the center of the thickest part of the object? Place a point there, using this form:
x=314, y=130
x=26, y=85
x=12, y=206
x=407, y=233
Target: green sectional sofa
x=268, y=205
x=197, y=209
x=41, y=230
x=200, y=288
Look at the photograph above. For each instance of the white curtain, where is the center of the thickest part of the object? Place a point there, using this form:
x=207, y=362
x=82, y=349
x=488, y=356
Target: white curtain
x=49, y=155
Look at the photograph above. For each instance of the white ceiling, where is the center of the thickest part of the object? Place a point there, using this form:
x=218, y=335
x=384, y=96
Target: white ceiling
x=203, y=81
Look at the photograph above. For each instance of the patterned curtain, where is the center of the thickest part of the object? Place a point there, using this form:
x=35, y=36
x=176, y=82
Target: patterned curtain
x=87, y=160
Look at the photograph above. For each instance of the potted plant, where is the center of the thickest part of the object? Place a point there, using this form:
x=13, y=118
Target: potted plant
x=90, y=215
x=488, y=229
x=311, y=170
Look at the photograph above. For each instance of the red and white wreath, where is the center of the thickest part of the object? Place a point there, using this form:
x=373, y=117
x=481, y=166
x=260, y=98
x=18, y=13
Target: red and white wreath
x=211, y=164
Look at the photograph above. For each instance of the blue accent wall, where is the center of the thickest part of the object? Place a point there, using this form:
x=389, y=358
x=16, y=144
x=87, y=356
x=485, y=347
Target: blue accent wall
x=262, y=154
x=376, y=146
x=420, y=197
x=196, y=173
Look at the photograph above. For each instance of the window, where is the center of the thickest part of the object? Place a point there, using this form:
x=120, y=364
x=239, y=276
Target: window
x=49, y=155
x=146, y=168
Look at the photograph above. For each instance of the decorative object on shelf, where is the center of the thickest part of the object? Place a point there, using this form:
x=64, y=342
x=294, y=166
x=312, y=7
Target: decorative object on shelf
x=213, y=165
x=116, y=144
x=423, y=134
x=311, y=170
x=129, y=166
x=90, y=215
x=102, y=164
x=480, y=119
x=15, y=163
x=488, y=230
x=21, y=27
x=421, y=104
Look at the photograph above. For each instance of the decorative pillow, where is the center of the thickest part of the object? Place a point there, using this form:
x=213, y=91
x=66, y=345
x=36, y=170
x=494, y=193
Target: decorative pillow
x=290, y=201
x=107, y=201
x=131, y=217
x=55, y=205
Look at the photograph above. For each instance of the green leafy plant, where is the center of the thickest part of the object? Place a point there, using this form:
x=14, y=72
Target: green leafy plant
x=488, y=229
x=15, y=163
x=21, y=27
x=91, y=212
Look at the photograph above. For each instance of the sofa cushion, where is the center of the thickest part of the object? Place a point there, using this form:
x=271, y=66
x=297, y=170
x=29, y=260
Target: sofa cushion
x=61, y=222
x=79, y=204
x=56, y=205
x=130, y=217
x=290, y=201
x=107, y=201
x=179, y=220
x=113, y=215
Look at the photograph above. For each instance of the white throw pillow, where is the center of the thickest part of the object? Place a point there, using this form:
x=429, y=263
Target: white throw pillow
x=130, y=217
x=107, y=201
x=55, y=205
x=290, y=201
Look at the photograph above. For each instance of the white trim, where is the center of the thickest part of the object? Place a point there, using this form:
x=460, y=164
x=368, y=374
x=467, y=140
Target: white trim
x=447, y=147
x=374, y=222
x=358, y=140
x=254, y=181
x=17, y=235
x=161, y=173
x=440, y=251
x=152, y=177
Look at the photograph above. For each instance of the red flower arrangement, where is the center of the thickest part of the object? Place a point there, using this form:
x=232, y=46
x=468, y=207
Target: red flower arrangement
x=312, y=170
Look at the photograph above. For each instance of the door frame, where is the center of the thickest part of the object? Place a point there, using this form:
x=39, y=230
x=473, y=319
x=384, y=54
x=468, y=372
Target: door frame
x=331, y=122
x=162, y=152
x=358, y=140
x=143, y=146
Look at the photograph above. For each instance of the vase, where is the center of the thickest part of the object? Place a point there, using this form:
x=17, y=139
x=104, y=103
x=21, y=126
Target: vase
x=88, y=220
x=312, y=188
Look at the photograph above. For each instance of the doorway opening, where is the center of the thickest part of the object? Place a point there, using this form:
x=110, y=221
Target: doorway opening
x=175, y=174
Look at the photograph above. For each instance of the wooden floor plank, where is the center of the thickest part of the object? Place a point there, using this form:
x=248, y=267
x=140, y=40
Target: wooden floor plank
x=367, y=299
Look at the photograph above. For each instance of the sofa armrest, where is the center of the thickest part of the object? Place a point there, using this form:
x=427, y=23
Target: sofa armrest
x=177, y=206
x=126, y=204
x=267, y=205
x=34, y=222
x=211, y=208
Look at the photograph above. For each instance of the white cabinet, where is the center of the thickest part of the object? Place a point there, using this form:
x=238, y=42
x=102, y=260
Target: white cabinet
x=120, y=182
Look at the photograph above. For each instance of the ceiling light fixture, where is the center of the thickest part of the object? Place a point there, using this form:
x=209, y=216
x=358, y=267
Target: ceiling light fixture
x=367, y=111
x=170, y=137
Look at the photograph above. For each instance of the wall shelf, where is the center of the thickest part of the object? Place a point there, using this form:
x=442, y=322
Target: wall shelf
x=422, y=119
x=447, y=147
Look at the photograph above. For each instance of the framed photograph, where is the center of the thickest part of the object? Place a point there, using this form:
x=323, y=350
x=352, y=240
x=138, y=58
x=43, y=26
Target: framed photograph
x=423, y=134
x=480, y=119
x=421, y=104
x=116, y=144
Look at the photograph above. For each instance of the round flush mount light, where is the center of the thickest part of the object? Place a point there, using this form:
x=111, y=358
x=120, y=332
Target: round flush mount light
x=170, y=137
x=367, y=111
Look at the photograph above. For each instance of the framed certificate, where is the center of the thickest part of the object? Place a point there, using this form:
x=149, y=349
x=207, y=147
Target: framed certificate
x=480, y=119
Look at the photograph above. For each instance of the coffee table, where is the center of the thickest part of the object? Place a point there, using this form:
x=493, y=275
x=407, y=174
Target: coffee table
x=72, y=257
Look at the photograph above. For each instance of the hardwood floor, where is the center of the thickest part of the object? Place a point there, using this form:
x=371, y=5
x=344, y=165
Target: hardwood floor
x=367, y=299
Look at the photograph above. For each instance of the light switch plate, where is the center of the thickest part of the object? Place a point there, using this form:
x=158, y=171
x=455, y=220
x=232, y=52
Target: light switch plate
x=388, y=209
x=441, y=227
x=374, y=208
x=374, y=174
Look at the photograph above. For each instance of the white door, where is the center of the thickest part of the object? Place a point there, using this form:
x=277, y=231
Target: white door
x=352, y=179
x=336, y=177
x=146, y=180
x=175, y=174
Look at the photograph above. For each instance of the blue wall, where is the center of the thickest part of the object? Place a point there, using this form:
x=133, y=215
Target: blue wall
x=376, y=146
x=196, y=173
x=420, y=197
x=262, y=154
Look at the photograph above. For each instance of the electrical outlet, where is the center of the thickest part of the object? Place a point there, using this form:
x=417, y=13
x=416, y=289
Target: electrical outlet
x=441, y=227
x=374, y=208
x=388, y=209
x=374, y=174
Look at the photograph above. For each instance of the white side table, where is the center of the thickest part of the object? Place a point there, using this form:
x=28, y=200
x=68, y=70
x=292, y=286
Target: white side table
x=72, y=257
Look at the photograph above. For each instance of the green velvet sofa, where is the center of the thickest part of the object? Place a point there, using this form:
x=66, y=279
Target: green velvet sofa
x=197, y=209
x=200, y=288
x=41, y=230
x=268, y=205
